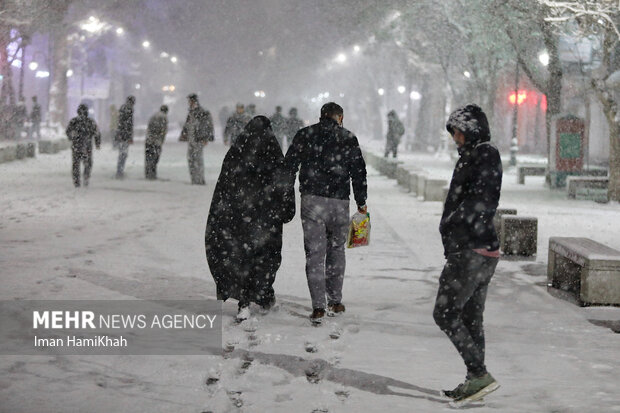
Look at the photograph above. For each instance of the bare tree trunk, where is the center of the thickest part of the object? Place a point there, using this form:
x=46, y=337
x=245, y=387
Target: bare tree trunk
x=58, y=89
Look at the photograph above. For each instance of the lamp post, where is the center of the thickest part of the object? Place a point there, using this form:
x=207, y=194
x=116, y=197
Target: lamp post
x=514, y=143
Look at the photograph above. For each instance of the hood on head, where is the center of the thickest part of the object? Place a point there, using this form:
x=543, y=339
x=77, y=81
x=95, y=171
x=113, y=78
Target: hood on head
x=472, y=121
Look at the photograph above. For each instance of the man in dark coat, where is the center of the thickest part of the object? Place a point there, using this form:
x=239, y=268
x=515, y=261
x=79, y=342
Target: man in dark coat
x=197, y=132
x=81, y=132
x=278, y=124
x=235, y=124
x=331, y=160
x=293, y=124
x=155, y=136
x=470, y=245
x=35, y=119
x=124, y=134
x=21, y=116
x=395, y=131
x=251, y=201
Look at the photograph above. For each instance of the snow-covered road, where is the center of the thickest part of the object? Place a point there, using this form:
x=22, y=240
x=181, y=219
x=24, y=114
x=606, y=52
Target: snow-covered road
x=142, y=239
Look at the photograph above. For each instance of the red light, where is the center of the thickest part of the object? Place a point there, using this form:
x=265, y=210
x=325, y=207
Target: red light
x=519, y=98
x=543, y=103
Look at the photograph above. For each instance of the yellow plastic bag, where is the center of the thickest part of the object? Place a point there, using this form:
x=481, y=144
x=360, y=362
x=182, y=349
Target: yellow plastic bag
x=359, y=230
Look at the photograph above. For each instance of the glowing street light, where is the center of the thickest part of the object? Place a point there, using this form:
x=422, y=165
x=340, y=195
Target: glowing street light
x=401, y=89
x=69, y=72
x=120, y=31
x=42, y=73
x=543, y=57
x=163, y=55
x=146, y=44
x=467, y=74
x=33, y=66
x=341, y=58
x=326, y=95
x=138, y=86
x=356, y=48
x=381, y=91
x=414, y=95
x=257, y=93
x=174, y=59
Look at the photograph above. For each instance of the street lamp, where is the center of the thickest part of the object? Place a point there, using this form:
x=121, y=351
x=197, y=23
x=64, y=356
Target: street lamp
x=401, y=89
x=120, y=31
x=341, y=58
x=356, y=49
x=543, y=57
x=381, y=91
x=415, y=95
x=146, y=44
x=467, y=74
x=33, y=66
x=174, y=59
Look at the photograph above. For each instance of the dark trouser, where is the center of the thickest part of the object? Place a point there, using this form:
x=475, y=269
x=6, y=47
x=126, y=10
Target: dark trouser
x=80, y=155
x=151, y=158
x=325, y=222
x=35, y=127
x=391, y=147
x=123, y=151
x=196, y=163
x=460, y=303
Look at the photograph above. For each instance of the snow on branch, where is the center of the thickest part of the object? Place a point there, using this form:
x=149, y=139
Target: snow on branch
x=599, y=11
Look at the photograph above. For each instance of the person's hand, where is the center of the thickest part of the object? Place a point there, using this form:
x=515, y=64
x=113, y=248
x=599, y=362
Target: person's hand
x=362, y=209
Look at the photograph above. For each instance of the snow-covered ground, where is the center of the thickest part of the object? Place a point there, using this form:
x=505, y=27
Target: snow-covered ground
x=141, y=239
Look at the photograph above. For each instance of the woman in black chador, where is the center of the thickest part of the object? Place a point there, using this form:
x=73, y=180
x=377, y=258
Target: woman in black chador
x=251, y=202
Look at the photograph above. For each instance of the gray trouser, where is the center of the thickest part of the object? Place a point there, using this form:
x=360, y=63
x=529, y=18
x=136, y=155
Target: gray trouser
x=196, y=162
x=325, y=222
x=123, y=151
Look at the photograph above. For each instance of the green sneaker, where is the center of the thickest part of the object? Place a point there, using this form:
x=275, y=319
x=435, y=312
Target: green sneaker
x=476, y=388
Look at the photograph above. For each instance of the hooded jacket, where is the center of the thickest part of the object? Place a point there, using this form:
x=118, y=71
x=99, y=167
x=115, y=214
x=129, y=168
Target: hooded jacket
x=82, y=130
x=331, y=160
x=467, y=220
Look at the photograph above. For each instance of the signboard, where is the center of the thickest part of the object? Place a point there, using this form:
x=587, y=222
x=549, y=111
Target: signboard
x=569, y=144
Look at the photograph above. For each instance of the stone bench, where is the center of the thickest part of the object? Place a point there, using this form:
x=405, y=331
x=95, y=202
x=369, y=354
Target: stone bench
x=53, y=146
x=8, y=153
x=585, y=268
x=497, y=219
x=433, y=190
x=587, y=187
x=529, y=170
x=518, y=235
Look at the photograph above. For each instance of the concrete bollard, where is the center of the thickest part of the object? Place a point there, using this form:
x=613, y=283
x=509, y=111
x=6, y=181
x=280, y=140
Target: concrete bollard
x=46, y=146
x=497, y=219
x=433, y=190
x=519, y=235
x=20, y=152
x=421, y=186
x=30, y=149
x=8, y=153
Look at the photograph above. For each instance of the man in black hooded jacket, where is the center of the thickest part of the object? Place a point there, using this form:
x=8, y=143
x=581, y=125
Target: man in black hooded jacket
x=470, y=245
x=81, y=131
x=330, y=161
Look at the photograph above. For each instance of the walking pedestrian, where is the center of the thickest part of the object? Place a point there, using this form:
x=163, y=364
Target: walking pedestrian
x=470, y=245
x=395, y=131
x=278, y=124
x=197, y=132
x=124, y=134
x=330, y=159
x=235, y=124
x=293, y=124
x=155, y=136
x=81, y=131
x=21, y=116
x=251, y=202
x=35, y=119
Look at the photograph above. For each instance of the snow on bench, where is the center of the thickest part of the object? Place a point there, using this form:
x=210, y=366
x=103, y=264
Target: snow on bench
x=532, y=170
x=518, y=235
x=585, y=268
x=587, y=187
